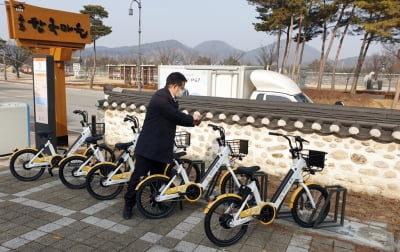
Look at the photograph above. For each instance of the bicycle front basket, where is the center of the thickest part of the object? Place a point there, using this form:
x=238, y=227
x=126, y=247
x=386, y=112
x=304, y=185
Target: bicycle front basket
x=239, y=147
x=182, y=139
x=315, y=158
x=98, y=130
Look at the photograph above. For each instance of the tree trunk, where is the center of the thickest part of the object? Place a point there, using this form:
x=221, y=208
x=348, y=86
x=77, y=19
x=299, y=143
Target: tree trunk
x=94, y=64
x=300, y=60
x=346, y=28
x=363, y=51
x=321, y=62
x=396, y=96
x=288, y=44
x=278, y=45
x=296, y=52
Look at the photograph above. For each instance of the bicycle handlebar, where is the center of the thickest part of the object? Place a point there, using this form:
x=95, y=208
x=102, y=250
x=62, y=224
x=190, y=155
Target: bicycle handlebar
x=221, y=138
x=83, y=113
x=298, y=142
x=134, y=120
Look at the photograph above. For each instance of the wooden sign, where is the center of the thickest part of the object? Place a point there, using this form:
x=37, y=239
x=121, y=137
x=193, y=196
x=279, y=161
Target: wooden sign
x=33, y=26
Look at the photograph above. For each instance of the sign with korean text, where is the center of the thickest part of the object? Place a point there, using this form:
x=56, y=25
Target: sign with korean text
x=30, y=23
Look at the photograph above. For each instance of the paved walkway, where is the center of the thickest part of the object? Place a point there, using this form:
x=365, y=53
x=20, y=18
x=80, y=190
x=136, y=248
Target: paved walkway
x=44, y=215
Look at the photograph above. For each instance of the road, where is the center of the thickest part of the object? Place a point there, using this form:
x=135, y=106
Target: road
x=83, y=99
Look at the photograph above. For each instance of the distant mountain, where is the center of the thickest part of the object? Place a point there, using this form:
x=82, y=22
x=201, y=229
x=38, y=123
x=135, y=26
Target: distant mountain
x=310, y=53
x=214, y=49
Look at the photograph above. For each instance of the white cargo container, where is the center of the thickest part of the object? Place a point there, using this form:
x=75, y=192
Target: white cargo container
x=219, y=81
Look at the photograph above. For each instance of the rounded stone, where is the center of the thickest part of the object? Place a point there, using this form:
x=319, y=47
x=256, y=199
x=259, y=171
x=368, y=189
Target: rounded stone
x=339, y=155
x=358, y=159
x=390, y=174
x=381, y=164
x=369, y=172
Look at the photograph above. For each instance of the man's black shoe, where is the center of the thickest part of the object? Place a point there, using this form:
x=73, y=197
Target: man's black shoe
x=127, y=213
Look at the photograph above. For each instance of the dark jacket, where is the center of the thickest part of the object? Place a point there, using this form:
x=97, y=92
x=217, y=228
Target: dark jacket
x=156, y=140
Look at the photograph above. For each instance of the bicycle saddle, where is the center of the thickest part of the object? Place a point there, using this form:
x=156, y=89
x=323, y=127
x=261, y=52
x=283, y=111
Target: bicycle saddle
x=177, y=155
x=93, y=139
x=250, y=170
x=123, y=146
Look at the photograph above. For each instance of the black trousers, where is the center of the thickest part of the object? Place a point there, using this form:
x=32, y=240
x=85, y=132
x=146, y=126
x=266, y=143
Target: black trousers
x=142, y=167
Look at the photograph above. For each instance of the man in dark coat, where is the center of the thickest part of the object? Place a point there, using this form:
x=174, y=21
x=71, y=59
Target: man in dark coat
x=154, y=148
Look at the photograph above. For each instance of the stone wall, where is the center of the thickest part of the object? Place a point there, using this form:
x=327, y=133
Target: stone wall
x=365, y=166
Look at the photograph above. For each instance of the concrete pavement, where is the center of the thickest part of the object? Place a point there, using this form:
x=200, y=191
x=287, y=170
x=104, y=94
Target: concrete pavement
x=44, y=215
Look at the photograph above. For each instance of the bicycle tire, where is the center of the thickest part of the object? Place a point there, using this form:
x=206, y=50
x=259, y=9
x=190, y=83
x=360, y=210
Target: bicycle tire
x=145, y=198
x=302, y=211
x=66, y=171
x=95, y=186
x=228, y=184
x=193, y=171
x=107, y=152
x=217, y=218
x=18, y=169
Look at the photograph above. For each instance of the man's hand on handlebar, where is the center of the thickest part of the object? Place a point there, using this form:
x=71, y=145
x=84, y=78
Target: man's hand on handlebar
x=196, y=118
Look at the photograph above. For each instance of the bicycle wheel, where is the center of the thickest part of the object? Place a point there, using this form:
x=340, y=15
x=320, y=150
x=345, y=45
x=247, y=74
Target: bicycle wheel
x=145, y=199
x=193, y=171
x=69, y=166
x=95, y=182
x=108, y=154
x=302, y=211
x=228, y=185
x=18, y=165
x=218, y=217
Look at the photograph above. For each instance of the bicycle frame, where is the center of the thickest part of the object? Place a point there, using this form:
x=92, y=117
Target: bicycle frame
x=221, y=159
x=113, y=178
x=81, y=171
x=86, y=132
x=293, y=176
x=42, y=161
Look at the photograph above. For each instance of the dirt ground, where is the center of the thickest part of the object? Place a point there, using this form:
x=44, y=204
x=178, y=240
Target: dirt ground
x=361, y=206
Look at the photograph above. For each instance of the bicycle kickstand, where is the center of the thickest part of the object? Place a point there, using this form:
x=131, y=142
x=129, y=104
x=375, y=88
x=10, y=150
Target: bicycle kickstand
x=50, y=170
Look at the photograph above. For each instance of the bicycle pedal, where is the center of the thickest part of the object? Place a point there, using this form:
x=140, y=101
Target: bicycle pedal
x=51, y=172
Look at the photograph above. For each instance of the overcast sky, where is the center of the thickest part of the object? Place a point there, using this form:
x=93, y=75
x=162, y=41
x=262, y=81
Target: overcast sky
x=191, y=22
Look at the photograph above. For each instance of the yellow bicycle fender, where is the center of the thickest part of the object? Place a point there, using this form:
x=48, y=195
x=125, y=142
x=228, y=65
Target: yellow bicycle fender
x=223, y=177
x=149, y=177
x=166, y=169
x=104, y=163
x=209, y=205
x=72, y=155
x=294, y=194
x=17, y=151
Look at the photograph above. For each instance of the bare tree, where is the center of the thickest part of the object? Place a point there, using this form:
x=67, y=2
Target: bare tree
x=267, y=55
x=167, y=56
x=233, y=59
x=17, y=56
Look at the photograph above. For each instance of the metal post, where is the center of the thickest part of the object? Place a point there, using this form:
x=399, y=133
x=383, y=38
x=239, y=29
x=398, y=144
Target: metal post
x=139, y=65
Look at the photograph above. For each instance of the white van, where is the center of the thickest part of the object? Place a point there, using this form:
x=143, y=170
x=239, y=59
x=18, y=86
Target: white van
x=273, y=86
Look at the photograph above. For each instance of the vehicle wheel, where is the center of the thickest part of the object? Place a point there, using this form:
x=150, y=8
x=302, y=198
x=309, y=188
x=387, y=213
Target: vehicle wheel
x=216, y=222
x=107, y=152
x=18, y=165
x=95, y=182
x=145, y=199
x=193, y=171
x=68, y=168
x=228, y=185
x=302, y=211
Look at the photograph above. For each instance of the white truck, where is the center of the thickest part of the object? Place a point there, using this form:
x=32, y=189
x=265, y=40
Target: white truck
x=273, y=86
x=244, y=82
